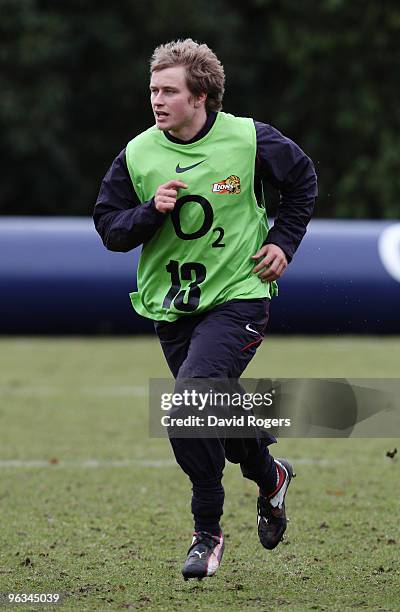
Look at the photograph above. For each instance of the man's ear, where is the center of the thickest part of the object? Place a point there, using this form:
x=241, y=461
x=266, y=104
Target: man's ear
x=200, y=100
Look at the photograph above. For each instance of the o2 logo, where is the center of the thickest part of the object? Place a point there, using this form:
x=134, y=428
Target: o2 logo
x=389, y=250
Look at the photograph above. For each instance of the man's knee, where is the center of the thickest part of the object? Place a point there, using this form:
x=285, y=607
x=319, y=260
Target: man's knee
x=202, y=459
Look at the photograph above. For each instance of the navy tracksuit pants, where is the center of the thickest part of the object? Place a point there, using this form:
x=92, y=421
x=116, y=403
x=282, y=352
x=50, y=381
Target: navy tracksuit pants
x=217, y=344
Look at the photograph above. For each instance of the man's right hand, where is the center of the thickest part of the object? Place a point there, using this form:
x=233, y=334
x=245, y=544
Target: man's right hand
x=166, y=195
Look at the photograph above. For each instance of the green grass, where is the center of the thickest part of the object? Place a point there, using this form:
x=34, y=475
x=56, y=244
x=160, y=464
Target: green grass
x=113, y=534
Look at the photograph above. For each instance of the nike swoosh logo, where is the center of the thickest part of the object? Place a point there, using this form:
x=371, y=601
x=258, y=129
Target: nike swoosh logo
x=250, y=329
x=179, y=169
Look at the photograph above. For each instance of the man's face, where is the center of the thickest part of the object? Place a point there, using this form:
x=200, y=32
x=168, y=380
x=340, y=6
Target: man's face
x=174, y=107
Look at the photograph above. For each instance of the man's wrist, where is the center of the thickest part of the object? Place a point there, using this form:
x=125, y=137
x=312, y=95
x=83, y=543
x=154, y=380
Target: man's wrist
x=153, y=207
x=276, y=243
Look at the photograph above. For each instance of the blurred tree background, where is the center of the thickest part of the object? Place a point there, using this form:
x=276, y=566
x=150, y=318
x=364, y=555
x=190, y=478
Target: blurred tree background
x=74, y=90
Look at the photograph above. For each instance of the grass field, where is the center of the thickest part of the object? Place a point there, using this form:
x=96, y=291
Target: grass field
x=93, y=509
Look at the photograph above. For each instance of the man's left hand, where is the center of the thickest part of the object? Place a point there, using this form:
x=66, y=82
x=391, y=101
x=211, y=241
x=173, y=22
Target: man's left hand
x=273, y=259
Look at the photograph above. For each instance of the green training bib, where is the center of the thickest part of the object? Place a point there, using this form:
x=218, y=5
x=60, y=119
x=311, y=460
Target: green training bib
x=201, y=255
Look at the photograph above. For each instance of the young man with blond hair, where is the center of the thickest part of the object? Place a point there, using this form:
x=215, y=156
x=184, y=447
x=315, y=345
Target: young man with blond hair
x=189, y=189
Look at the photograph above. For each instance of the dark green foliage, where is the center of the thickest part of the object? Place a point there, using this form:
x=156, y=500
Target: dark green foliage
x=74, y=90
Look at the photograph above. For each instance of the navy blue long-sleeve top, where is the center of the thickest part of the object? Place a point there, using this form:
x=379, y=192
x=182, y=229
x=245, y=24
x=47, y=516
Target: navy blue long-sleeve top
x=124, y=223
